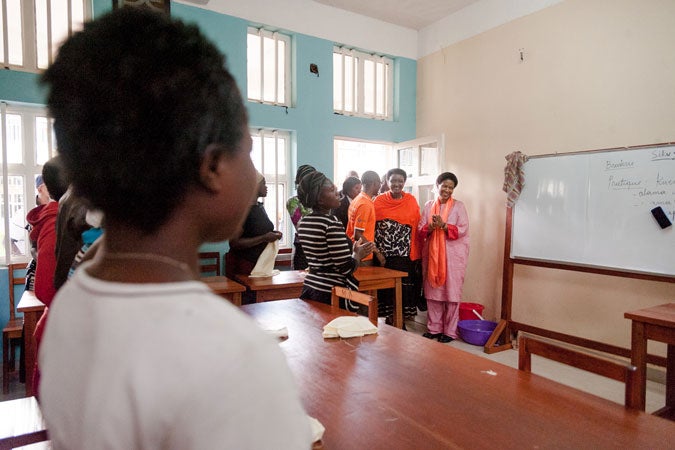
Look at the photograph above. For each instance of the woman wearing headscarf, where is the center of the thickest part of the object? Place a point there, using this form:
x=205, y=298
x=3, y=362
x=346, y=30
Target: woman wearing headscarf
x=445, y=229
x=297, y=211
x=397, y=215
x=256, y=233
x=331, y=258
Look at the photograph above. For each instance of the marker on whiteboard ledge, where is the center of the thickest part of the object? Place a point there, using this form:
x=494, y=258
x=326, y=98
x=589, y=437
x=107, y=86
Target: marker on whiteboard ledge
x=661, y=218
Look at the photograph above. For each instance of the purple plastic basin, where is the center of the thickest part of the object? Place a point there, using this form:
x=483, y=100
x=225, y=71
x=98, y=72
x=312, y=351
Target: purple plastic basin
x=476, y=332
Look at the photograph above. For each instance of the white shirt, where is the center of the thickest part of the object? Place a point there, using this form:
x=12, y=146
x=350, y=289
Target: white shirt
x=163, y=366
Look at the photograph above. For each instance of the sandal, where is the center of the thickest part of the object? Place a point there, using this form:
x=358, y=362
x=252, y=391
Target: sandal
x=432, y=335
x=445, y=339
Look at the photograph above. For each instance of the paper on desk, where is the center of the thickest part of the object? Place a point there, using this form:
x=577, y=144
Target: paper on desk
x=348, y=326
x=279, y=333
x=317, y=428
x=264, y=267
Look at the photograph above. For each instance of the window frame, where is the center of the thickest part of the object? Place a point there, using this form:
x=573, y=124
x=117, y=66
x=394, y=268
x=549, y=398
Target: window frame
x=29, y=33
x=29, y=168
x=263, y=33
x=357, y=86
x=282, y=221
x=385, y=156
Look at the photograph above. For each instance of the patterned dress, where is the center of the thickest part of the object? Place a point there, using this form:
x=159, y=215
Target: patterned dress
x=396, y=237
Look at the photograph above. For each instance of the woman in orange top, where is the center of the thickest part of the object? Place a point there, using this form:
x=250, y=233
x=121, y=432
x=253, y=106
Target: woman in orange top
x=397, y=215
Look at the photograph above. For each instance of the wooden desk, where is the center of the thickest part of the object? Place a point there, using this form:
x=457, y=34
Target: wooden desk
x=225, y=287
x=21, y=423
x=400, y=390
x=32, y=310
x=288, y=284
x=656, y=323
x=371, y=279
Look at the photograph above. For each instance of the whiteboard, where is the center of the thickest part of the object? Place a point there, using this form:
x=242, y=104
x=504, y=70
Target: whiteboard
x=594, y=209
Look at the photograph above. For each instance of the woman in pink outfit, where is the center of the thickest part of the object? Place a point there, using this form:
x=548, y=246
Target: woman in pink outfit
x=444, y=226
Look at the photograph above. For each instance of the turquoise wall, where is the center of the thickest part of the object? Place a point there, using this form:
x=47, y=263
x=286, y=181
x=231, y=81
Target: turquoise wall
x=311, y=120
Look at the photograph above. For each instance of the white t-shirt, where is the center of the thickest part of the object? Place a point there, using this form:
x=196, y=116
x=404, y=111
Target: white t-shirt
x=163, y=366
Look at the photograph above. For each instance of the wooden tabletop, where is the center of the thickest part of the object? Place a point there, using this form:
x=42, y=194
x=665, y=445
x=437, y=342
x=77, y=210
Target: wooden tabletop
x=399, y=390
x=284, y=279
x=222, y=285
x=29, y=302
x=662, y=315
x=370, y=273
x=295, y=278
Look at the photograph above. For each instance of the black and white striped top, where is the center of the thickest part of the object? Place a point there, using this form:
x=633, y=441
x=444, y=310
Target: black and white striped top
x=328, y=251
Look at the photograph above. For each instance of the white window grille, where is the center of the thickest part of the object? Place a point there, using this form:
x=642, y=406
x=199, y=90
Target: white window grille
x=270, y=155
x=362, y=84
x=359, y=155
x=26, y=142
x=268, y=67
x=31, y=31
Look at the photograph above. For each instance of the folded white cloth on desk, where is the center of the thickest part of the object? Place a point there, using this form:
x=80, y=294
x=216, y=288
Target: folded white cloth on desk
x=264, y=267
x=349, y=326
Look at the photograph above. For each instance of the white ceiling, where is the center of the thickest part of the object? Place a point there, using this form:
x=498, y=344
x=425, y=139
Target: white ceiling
x=404, y=28
x=415, y=14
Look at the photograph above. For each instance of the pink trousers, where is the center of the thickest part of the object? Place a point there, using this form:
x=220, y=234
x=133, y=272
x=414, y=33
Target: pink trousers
x=442, y=317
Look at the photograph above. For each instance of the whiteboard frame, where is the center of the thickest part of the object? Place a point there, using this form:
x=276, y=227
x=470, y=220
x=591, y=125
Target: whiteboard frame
x=502, y=337
x=590, y=268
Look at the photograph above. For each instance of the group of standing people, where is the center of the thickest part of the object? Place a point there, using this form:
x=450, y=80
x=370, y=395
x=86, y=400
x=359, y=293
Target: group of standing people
x=57, y=226
x=384, y=229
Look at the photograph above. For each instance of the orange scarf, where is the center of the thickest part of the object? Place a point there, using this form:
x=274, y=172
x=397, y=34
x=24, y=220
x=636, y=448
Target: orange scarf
x=436, y=269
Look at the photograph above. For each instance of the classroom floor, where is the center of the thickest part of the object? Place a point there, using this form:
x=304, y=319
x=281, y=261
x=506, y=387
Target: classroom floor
x=579, y=379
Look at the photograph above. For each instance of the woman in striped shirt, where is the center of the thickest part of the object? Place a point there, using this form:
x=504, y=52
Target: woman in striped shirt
x=329, y=252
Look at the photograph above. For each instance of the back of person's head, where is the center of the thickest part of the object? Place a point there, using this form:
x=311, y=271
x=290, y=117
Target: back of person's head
x=137, y=98
x=54, y=178
x=349, y=184
x=369, y=178
x=302, y=171
x=309, y=189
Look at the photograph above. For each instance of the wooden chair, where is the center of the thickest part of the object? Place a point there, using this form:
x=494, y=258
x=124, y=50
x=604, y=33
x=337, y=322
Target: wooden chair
x=610, y=369
x=12, y=333
x=358, y=297
x=209, y=263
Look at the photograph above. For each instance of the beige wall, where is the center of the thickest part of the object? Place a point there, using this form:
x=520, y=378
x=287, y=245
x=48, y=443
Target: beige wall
x=596, y=74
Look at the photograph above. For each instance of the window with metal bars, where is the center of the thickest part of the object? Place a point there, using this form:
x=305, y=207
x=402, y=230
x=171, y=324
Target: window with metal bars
x=31, y=31
x=270, y=155
x=362, y=84
x=268, y=67
x=26, y=143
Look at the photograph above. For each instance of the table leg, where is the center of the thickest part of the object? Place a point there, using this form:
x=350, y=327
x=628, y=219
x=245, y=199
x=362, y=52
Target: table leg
x=639, y=360
x=236, y=298
x=398, y=305
x=670, y=378
x=30, y=319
